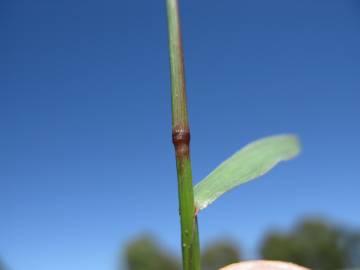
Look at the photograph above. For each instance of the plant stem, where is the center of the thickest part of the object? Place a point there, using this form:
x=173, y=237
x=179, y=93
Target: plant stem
x=181, y=140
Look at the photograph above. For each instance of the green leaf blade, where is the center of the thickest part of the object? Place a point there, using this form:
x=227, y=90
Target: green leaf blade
x=252, y=161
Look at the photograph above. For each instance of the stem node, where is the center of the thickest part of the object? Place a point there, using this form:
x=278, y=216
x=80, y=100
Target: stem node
x=181, y=141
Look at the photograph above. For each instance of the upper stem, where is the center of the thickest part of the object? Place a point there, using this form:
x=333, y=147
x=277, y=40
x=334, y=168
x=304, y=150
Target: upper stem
x=181, y=140
x=179, y=108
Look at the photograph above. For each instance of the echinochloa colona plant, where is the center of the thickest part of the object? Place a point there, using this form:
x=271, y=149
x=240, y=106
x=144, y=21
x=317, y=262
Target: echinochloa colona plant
x=250, y=162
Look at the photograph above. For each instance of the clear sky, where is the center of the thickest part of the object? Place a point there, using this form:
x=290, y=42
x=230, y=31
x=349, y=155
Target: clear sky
x=86, y=160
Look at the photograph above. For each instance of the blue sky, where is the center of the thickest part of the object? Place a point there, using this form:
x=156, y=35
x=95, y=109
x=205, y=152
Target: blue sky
x=86, y=155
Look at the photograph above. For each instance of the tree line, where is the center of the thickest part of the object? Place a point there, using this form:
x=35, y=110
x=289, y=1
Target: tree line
x=313, y=243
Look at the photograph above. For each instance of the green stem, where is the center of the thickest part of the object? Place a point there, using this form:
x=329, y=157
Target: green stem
x=181, y=140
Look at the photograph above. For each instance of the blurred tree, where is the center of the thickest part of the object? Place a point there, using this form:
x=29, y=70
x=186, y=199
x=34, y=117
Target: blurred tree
x=2, y=267
x=219, y=254
x=313, y=243
x=351, y=243
x=144, y=254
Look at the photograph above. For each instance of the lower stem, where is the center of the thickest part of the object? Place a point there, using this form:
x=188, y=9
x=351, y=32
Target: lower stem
x=189, y=228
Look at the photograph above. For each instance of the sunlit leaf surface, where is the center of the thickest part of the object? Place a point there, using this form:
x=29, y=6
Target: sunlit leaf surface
x=250, y=162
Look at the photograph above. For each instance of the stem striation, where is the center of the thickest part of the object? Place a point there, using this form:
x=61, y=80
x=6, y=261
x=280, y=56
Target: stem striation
x=181, y=140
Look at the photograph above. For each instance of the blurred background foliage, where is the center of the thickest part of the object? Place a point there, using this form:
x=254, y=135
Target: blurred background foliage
x=145, y=253
x=312, y=242
x=220, y=253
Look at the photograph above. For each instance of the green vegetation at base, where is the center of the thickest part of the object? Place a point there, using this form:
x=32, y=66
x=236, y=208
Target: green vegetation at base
x=144, y=254
x=219, y=254
x=313, y=243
